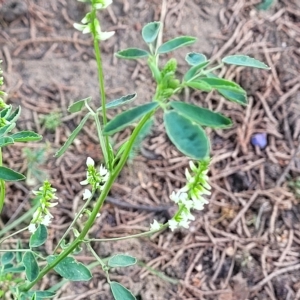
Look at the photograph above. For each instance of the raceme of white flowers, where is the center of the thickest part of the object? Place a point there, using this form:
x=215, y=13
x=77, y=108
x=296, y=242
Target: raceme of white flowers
x=87, y=25
x=95, y=178
x=42, y=215
x=189, y=197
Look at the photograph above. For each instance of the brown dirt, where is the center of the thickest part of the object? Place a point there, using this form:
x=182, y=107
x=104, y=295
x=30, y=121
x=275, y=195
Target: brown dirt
x=246, y=243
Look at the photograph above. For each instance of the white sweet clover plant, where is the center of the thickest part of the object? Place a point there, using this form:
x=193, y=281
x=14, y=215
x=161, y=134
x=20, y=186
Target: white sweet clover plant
x=184, y=124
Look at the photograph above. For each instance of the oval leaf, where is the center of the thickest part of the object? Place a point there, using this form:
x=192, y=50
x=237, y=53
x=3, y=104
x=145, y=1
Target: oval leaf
x=26, y=136
x=175, y=44
x=188, y=137
x=6, y=258
x=150, y=32
x=7, y=128
x=201, y=115
x=219, y=83
x=194, y=58
x=234, y=96
x=78, y=105
x=132, y=53
x=71, y=269
x=194, y=70
x=199, y=85
x=7, y=174
x=31, y=266
x=39, y=237
x=5, y=140
x=244, y=60
x=120, y=101
x=128, y=117
x=4, y=113
x=72, y=137
x=8, y=266
x=121, y=260
x=19, y=269
x=41, y=294
x=120, y=292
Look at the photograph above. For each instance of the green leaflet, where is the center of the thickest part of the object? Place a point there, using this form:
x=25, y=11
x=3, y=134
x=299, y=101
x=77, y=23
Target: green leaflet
x=244, y=60
x=132, y=53
x=128, y=117
x=121, y=260
x=176, y=43
x=188, y=137
x=150, y=32
x=71, y=269
x=200, y=115
x=120, y=292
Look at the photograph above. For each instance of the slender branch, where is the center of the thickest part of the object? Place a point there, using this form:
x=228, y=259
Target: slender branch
x=106, y=148
x=74, y=221
x=130, y=236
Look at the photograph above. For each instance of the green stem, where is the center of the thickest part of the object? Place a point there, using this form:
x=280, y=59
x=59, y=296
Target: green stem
x=107, y=149
x=97, y=206
x=74, y=221
x=101, y=262
x=102, y=139
x=204, y=72
x=2, y=185
x=22, y=218
x=103, y=265
x=2, y=194
x=15, y=233
x=142, y=234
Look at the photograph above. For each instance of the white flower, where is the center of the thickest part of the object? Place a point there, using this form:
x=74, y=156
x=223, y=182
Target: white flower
x=199, y=202
x=102, y=36
x=175, y=196
x=32, y=228
x=102, y=171
x=187, y=216
x=184, y=223
x=86, y=19
x=84, y=182
x=90, y=162
x=188, y=203
x=173, y=224
x=47, y=220
x=102, y=4
x=52, y=204
x=85, y=28
x=192, y=166
x=86, y=194
x=155, y=225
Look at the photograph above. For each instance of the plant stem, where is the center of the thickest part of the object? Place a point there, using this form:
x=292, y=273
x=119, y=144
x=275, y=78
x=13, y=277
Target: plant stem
x=2, y=185
x=22, y=218
x=103, y=265
x=164, y=226
x=16, y=232
x=97, y=206
x=106, y=147
x=74, y=221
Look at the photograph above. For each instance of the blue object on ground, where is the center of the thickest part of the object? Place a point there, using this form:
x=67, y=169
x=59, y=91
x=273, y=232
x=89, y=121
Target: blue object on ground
x=259, y=139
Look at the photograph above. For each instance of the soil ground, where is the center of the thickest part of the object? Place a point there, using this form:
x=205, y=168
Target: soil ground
x=246, y=243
